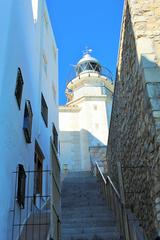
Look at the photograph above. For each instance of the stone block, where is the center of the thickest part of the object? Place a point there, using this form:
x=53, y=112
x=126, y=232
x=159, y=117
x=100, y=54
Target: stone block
x=139, y=19
x=157, y=200
x=158, y=139
x=144, y=45
x=148, y=60
x=152, y=75
x=158, y=207
x=158, y=216
x=153, y=90
x=156, y=114
x=155, y=104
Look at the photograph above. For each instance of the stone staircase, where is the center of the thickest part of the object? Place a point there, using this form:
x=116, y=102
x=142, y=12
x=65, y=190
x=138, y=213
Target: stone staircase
x=85, y=215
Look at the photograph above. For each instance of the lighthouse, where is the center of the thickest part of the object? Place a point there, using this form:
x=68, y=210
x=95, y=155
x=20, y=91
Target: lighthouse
x=84, y=120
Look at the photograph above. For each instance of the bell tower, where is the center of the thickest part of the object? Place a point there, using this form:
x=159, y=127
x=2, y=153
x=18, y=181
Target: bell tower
x=84, y=120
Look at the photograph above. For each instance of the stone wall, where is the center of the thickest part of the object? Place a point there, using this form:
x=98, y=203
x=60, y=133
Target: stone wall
x=134, y=137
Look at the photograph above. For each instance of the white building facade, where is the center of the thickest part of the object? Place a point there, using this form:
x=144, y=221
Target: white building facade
x=29, y=166
x=84, y=120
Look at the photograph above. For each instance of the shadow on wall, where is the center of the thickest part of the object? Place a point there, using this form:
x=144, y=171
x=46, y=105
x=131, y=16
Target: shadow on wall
x=79, y=150
x=134, y=135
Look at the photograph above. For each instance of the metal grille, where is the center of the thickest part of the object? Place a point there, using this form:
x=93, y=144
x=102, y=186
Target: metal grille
x=33, y=221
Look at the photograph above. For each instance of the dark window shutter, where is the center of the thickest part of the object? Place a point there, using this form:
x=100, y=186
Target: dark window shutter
x=44, y=110
x=19, y=87
x=27, y=122
x=55, y=136
x=21, y=186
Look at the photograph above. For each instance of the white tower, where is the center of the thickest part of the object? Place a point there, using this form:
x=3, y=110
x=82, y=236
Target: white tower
x=84, y=120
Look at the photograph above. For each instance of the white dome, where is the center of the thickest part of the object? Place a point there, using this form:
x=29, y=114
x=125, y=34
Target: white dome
x=87, y=58
x=88, y=64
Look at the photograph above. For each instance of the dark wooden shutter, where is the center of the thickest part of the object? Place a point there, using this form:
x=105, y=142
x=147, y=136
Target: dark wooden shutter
x=19, y=87
x=44, y=110
x=21, y=186
x=55, y=136
x=27, y=123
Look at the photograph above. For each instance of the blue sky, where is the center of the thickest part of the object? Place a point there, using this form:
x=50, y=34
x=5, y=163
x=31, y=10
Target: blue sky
x=77, y=24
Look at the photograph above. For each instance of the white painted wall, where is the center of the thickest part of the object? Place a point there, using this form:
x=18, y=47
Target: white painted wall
x=86, y=128
x=22, y=43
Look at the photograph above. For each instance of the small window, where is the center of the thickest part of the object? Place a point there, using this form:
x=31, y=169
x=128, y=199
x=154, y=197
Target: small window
x=45, y=63
x=38, y=173
x=21, y=186
x=55, y=137
x=54, y=93
x=96, y=125
x=19, y=87
x=95, y=107
x=65, y=168
x=27, y=123
x=44, y=110
x=46, y=20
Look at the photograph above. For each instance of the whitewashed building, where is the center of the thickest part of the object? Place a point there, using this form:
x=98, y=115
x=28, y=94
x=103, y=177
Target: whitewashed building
x=29, y=166
x=84, y=120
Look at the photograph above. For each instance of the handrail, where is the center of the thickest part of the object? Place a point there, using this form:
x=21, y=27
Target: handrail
x=127, y=230
x=101, y=173
x=116, y=191
x=114, y=201
x=109, y=179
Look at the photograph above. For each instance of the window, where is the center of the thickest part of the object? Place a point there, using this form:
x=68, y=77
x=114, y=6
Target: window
x=54, y=93
x=21, y=186
x=46, y=20
x=95, y=107
x=38, y=170
x=27, y=123
x=45, y=63
x=44, y=110
x=19, y=87
x=55, y=137
x=96, y=125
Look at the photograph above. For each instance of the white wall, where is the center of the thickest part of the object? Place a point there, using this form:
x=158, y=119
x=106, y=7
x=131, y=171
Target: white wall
x=70, y=139
x=22, y=42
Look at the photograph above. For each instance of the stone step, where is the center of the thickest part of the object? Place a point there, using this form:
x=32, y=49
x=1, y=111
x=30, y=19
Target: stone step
x=74, y=181
x=94, y=212
x=83, y=204
x=85, y=219
x=91, y=223
x=88, y=215
x=82, y=201
x=85, y=215
x=86, y=230
x=78, y=174
x=90, y=236
x=89, y=218
x=84, y=190
x=92, y=208
x=81, y=194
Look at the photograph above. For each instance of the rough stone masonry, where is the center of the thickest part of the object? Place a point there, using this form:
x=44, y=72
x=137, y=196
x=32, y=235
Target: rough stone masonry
x=134, y=138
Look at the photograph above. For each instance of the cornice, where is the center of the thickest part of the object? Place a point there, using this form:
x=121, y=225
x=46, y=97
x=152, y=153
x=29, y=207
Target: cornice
x=69, y=108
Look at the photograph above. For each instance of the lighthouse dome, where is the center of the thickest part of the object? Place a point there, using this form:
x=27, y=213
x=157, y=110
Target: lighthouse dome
x=88, y=64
